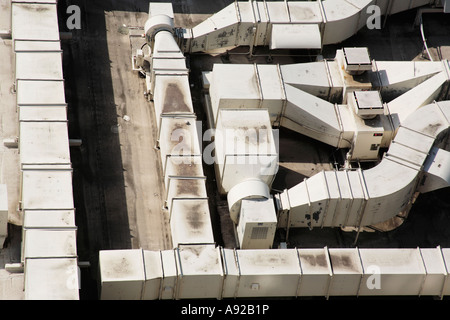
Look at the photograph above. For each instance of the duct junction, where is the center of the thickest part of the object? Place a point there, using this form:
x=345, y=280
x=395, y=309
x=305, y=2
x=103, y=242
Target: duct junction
x=351, y=102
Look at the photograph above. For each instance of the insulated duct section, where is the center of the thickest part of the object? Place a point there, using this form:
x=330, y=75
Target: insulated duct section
x=366, y=197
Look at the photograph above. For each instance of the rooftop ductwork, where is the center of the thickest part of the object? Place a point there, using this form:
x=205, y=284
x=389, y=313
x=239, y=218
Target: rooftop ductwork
x=278, y=24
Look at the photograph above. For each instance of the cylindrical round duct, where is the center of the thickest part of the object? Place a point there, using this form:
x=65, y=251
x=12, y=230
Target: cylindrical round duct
x=157, y=23
x=248, y=189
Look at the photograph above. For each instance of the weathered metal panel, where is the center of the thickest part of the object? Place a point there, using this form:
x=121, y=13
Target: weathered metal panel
x=272, y=90
x=49, y=219
x=122, y=274
x=391, y=272
x=311, y=116
x=47, y=189
x=342, y=20
x=436, y=271
x=43, y=113
x=299, y=206
x=178, y=136
x=257, y=224
x=185, y=188
x=47, y=93
x=33, y=45
x=305, y=12
x=295, y=36
x=316, y=272
x=446, y=257
x=183, y=166
x=190, y=222
x=200, y=273
x=245, y=146
x=42, y=17
x=310, y=77
x=39, y=66
x=46, y=243
x=319, y=198
x=268, y=273
x=347, y=272
x=153, y=275
x=170, y=275
x=231, y=273
x=51, y=279
x=44, y=143
x=234, y=86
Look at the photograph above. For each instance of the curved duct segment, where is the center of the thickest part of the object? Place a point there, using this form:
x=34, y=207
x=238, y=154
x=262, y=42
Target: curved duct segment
x=366, y=197
x=340, y=102
x=288, y=25
x=245, y=190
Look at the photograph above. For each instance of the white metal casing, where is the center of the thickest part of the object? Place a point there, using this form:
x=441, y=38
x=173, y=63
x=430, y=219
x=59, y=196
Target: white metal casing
x=51, y=279
x=122, y=274
x=347, y=271
x=391, y=272
x=178, y=136
x=154, y=274
x=265, y=273
x=245, y=148
x=316, y=272
x=190, y=222
x=3, y=213
x=257, y=224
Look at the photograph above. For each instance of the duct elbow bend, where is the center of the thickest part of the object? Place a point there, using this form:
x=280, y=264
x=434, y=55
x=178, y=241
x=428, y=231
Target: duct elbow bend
x=157, y=23
x=247, y=189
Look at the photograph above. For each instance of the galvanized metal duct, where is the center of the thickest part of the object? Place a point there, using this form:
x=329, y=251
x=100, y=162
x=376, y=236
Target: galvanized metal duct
x=366, y=197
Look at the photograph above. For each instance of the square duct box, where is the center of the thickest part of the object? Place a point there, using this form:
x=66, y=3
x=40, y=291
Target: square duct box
x=257, y=224
x=357, y=60
x=367, y=104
